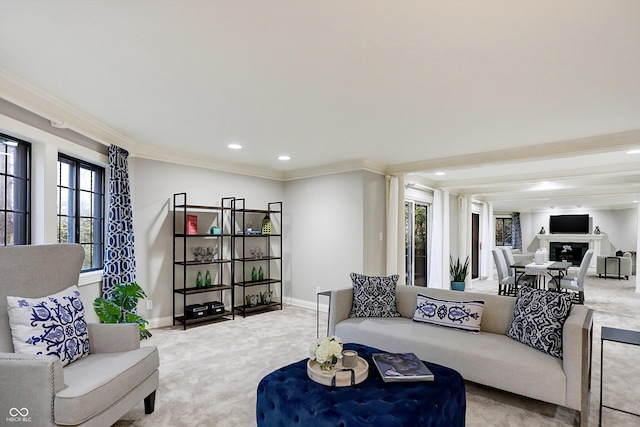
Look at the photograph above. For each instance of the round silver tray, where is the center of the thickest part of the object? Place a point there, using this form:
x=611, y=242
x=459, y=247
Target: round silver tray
x=338, y=377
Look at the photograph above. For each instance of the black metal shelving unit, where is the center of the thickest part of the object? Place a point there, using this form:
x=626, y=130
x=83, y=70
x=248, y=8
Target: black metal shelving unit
x=243, y=261
x=222, y=262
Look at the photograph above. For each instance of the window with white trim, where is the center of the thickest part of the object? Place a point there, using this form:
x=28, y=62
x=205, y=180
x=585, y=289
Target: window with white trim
x=80, y=198
x=15, y=191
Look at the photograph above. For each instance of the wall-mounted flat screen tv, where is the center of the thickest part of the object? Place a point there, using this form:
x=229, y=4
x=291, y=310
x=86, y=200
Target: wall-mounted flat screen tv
x=569, y=224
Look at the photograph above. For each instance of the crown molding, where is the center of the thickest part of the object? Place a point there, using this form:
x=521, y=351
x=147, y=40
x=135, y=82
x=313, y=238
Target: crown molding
x=26, y=95
x=340, y=167
x=30, y=97
x=172, y=155
x=578, y=146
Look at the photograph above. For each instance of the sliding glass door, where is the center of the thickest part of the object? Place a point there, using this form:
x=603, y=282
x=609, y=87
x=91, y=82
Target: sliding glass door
x=416, y=243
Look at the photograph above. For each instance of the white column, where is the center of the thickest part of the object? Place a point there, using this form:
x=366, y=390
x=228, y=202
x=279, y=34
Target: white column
x=436, y=237
x=392, y=224
x=637, y=247
x=446, y=246
x=400, y=235
x=487, y=240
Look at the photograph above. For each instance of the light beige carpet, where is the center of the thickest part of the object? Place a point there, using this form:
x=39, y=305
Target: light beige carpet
x=209, y=374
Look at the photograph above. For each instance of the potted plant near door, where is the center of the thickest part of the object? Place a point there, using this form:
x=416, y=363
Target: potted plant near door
x=458, y=272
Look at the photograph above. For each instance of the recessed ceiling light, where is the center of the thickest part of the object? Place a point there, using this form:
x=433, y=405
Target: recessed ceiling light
x=234, y=146
x=440, y=173
x=637, y=151
x=545, y=186
x=284, y=157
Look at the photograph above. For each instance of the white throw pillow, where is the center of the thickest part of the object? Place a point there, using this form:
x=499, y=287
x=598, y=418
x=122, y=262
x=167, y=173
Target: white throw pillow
x=463, y=315
x=51, y=326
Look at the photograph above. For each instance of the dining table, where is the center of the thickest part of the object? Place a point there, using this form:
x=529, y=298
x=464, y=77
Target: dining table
x=554, y=269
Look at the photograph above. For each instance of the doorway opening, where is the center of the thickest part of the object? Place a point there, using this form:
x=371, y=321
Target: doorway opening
x=416, y=243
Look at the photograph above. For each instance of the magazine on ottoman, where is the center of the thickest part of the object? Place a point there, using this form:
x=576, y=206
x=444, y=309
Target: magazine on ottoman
x=401, y=367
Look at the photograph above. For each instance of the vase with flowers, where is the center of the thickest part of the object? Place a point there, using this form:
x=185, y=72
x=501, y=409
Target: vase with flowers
x=326, y=351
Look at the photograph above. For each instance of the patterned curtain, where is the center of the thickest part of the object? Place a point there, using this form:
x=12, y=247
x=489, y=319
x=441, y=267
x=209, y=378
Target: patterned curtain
x=119, y=257
x=516, y=231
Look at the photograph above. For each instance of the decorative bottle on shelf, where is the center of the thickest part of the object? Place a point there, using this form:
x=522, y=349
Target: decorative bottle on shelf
x=199, y=280
x=254, y=275
x=207, y=280
x=260, y=274
x=597, y=230
x=266, y=225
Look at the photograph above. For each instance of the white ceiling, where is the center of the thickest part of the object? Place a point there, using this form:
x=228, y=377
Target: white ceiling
x=500, y=94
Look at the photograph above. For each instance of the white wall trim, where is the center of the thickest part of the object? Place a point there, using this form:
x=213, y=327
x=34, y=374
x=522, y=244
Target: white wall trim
x=32, y=98
x=172, y=155
x=557, y=149
x=28, y=96
x=340, y=167
x=160, y=322
x=311, y=305
x=90, y=278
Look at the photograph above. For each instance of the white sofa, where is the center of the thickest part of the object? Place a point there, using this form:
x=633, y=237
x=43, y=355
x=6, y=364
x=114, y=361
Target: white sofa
x=490, y=358
x=610, y=263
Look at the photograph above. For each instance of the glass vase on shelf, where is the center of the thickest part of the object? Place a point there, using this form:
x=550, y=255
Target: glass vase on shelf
x=207, y=280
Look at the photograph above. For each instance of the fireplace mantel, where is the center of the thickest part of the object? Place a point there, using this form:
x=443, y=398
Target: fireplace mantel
x=594, y=241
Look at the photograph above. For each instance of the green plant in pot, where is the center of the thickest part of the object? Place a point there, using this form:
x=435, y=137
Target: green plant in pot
x=458, y=272
x=119, y=306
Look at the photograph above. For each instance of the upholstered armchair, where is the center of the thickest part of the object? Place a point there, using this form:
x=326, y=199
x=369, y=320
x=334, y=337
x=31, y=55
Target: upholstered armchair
x=96, y=389
x=615, y=266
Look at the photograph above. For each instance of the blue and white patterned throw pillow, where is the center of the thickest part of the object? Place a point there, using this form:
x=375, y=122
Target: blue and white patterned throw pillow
x=538, y=319
x=52, y=326
x=374, y=296
x=462, y=315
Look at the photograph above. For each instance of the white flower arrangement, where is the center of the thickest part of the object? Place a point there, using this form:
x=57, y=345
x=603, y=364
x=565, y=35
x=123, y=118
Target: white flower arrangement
x=326, y=351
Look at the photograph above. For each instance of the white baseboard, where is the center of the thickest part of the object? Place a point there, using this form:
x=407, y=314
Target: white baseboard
x=306, y=304
x=162, y=322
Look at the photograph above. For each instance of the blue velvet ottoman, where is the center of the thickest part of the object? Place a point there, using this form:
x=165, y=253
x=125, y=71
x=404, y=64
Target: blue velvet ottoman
x=288, y=397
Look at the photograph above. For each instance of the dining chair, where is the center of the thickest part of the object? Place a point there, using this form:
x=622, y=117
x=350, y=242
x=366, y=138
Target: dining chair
x=575, y=283
x=522, y=277
x=506, y=282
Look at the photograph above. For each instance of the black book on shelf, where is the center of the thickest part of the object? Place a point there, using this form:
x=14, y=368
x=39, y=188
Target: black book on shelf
x=401, y=367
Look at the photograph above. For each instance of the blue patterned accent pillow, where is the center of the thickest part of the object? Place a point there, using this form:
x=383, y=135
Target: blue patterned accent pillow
x=463, y=315
x=374, y=296
x=538, y=319
x=52, y=326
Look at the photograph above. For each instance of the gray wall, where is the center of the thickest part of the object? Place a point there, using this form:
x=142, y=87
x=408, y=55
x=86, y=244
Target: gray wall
x=152, y=185
x=336, y=222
